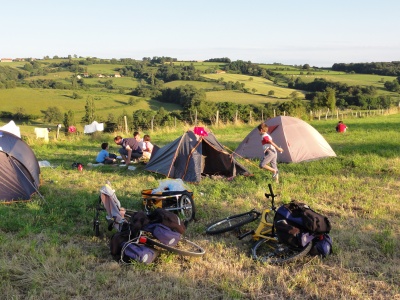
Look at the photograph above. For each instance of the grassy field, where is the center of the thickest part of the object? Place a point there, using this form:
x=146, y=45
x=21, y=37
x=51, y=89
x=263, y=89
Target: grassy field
x=196, y=84
x=239, y=97
x=261, y=85
x=48, y=251
x=34, y=101
x=350, y=79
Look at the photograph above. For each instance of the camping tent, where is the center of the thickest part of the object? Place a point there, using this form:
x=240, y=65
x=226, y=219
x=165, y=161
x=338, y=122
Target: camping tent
x=298, y=139
x=19, y=169
x=191, y=155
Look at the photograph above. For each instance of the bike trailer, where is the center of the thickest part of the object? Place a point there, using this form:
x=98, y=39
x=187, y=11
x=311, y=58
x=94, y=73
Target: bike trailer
x=180, y=202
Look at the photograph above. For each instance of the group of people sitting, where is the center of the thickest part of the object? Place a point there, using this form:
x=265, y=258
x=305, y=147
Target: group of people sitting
x=131, y=149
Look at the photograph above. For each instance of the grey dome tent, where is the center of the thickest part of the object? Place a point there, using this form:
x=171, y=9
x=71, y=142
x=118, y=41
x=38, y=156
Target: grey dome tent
x=299, y=140
x=19, y=169
x=191, y=156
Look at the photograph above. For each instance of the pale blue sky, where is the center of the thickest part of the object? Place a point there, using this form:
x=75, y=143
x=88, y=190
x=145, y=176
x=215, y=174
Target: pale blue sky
x=315, y=32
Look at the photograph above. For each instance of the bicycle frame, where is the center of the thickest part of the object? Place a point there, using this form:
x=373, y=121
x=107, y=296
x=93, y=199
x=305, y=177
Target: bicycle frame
x=265, y=229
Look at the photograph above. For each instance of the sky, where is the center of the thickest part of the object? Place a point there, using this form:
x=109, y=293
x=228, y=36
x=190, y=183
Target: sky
x=314, y=32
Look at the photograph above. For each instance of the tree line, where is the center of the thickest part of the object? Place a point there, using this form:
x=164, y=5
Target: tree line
x=152, y=73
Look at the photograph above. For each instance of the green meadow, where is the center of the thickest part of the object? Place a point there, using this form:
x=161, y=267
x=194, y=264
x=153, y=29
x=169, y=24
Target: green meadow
x=34, y=101
x=350, y=79
x=261, y=85
x=48, y=249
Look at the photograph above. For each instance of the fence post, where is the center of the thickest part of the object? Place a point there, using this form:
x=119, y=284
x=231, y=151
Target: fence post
x=236, y=116
x=152, y=123
x=217, y=118
x=126, y=125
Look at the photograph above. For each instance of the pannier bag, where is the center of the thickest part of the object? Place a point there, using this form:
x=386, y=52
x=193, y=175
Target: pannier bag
x=322, y=245
x=137, y=252
x=117, y=241
x=163, y=233
x=290, y=233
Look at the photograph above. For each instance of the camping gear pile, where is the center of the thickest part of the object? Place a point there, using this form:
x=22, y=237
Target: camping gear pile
x=164, y=225
x=297, y=224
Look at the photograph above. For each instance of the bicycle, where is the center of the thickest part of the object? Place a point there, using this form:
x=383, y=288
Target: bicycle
x=267, y=248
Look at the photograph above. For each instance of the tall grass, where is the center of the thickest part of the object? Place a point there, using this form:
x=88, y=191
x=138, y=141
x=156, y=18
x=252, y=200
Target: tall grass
x=48, y=250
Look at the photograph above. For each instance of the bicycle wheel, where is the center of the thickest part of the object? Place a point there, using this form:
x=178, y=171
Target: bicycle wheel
x=184, y=247
x=275, y=253
x=188, y=209
x=232, y=222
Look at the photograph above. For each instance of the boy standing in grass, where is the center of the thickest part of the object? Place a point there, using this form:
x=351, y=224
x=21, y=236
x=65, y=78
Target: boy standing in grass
x=104, y=156
x=270, y=154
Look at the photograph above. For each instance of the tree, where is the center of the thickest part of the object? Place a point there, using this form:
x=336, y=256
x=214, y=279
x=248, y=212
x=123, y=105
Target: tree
x=331, y=98
x=19, y=113
x=271, y=93
x=392, y=86
x=69, y=119
x=52, y=114
x=89, y=111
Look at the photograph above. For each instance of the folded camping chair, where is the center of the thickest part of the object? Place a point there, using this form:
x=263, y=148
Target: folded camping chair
x=112, y=206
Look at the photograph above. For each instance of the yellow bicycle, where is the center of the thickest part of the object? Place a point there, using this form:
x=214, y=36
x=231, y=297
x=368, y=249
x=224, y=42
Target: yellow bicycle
x=267, y=248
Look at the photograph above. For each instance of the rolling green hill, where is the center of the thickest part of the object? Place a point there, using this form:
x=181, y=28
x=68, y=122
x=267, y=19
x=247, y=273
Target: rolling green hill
x=261, y=85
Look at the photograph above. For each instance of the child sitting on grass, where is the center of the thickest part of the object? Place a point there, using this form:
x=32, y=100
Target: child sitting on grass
x=104, y=156
x=148, y=146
